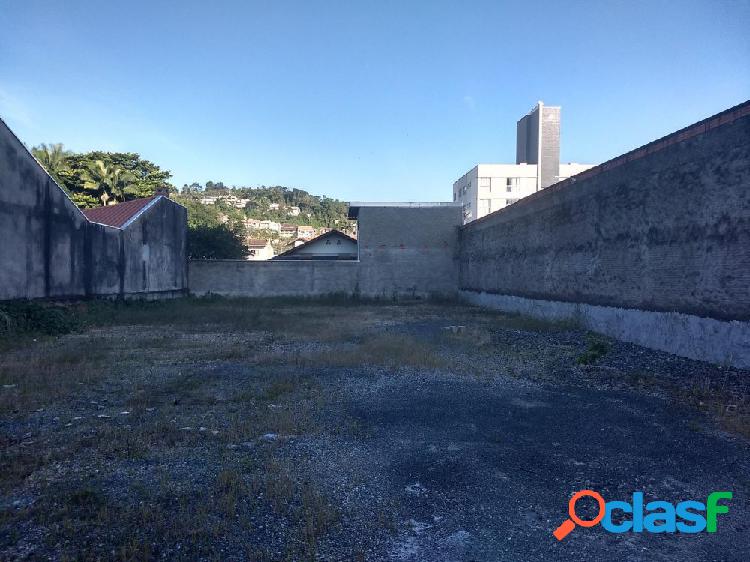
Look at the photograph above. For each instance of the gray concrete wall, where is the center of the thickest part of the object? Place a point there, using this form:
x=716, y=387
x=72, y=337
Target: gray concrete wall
x=663, y=229
x=155, y=250
x=706, y=339
x=42, y=233
x=299, y=278
x=403, y=252
x=50, y=250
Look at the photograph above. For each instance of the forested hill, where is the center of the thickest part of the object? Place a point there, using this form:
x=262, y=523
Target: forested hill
x=274, y=203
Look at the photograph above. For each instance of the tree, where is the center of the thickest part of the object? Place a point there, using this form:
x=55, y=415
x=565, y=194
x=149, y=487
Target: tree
x=53, y=157
x=213, y=233
x=215, y=242
x=140, y=177
x=108, y=181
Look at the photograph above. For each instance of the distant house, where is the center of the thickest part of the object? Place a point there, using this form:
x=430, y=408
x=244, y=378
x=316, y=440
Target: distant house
x=259, y=249
x=293, y=211
x=269, y=225
x=333, y=245
x=306, y=232
x=288, y=230
x=229, y=199
x=273, y=207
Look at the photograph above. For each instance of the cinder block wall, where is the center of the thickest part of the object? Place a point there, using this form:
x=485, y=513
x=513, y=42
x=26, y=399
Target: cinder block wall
x=663, y=230
x=50, y=250
x=409, y=250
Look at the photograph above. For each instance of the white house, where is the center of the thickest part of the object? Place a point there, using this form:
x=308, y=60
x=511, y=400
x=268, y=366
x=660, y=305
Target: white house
x=259, y=249
x=269, y=225
x=333, y=245
x=304, y=231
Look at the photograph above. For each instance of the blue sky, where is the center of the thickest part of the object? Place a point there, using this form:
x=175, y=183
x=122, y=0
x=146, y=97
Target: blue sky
x=385, y=100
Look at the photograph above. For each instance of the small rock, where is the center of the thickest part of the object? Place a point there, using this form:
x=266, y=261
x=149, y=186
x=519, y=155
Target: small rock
x=103, y=416
x=270, y=437
x=417, y=489
x=201, y=428
x=150, y=409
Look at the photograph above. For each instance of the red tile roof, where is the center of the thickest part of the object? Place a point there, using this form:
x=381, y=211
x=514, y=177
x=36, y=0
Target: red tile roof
x=117, y=215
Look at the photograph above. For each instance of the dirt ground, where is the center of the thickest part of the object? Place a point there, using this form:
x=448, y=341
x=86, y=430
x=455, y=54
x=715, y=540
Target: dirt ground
x=342, y=430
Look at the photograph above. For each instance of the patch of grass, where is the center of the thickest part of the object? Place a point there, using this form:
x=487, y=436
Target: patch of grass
x=280, y=387
x=596, y=348
x=528, y=323
x=16, y=465
x=730, y=409
x=387, y=350
x=45, y=373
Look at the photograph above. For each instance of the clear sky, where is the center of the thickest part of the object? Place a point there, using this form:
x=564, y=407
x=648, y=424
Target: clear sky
x=362, y=100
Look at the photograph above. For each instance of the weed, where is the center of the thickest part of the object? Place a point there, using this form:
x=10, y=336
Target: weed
x=596, y=348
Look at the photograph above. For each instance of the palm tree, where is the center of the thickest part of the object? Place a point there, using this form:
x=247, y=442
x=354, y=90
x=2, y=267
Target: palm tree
x=53, y=158
x=108, y=181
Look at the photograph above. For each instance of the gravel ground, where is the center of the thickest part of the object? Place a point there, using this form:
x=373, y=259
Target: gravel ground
x=383, y=436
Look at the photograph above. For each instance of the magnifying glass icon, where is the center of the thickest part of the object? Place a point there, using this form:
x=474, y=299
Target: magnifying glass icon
x=569, y=524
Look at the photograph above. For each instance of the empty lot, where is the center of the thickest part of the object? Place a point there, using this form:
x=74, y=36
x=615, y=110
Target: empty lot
x=345, y=430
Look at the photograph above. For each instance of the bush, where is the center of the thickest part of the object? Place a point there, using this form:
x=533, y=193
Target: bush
x=20, y=317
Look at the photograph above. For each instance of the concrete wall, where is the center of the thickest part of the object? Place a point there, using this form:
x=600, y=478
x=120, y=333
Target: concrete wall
x=663, y=229
x=403, y=252
x=300, y=278
x=50, y=250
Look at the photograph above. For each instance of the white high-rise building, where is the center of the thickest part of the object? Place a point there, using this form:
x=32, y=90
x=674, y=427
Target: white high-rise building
x=489, y=187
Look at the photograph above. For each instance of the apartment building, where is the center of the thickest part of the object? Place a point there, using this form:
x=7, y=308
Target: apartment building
x=487, y=188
